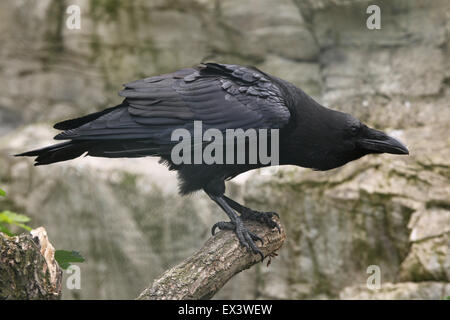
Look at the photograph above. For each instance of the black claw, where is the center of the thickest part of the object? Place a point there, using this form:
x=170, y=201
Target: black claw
x=222, y=225
x=261, y=254
x=275, y=214
x=278, y=227
x=250, y=244
x=273, y=224
x=246, y=238
x=243, y=241
x=255, y=237
x=257, y=251
x=263, y=217
x=213, y=229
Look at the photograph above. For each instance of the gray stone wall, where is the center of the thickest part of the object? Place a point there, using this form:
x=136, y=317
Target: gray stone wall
x=125, y=217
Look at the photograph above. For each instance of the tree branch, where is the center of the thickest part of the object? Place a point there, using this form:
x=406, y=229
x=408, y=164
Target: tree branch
x=206, y=271
x=28, y=269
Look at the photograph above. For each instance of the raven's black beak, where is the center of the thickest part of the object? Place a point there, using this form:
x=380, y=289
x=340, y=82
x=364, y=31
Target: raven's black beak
x=379, y=142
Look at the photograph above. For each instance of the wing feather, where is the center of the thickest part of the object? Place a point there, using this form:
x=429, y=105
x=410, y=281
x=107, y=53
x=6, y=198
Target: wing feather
x=221, y=96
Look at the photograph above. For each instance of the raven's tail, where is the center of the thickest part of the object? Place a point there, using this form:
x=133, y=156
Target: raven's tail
x=109, y=146
x=70, y=149
x=58, y=152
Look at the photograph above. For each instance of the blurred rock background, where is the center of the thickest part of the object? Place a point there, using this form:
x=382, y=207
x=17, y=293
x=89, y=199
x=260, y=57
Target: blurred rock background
x=124, y=215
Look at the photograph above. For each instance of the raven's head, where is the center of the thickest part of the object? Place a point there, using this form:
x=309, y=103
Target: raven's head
x=334, y=138
x=353, y=139
x=368, y=140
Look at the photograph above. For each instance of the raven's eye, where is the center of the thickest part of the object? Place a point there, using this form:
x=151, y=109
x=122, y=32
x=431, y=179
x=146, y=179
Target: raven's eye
x=354, y=129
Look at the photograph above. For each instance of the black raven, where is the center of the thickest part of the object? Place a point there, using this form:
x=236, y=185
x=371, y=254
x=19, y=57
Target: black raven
x=222, y=97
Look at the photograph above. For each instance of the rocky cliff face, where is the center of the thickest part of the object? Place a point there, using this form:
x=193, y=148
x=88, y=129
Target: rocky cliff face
x=125, y=216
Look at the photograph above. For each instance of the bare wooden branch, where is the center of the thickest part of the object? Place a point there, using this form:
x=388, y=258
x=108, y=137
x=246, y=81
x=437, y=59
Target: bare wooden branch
x=28, y=269
x=206, y=271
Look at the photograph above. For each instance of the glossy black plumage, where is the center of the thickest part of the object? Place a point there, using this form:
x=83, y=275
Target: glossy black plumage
x=222, y=97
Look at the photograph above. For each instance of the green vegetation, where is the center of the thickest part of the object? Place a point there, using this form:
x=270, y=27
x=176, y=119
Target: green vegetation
x=8, y=219
x=11, y=218
x=65, y=258
x=105, y=8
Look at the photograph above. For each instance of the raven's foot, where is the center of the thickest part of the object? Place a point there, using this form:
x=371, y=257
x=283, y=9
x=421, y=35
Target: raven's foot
x=262, y=217
x=245, y=237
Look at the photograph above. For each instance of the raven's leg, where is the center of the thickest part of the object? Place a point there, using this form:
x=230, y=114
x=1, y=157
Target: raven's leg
x=245, y=237
x=249, y=214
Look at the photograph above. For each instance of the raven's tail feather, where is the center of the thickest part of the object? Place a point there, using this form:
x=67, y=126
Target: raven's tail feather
x=104, y=148
x=77, y=122
x=58, y=152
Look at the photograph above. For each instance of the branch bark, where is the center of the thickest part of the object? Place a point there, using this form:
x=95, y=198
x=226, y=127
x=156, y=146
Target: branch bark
x=206, y=271
x=28, y=269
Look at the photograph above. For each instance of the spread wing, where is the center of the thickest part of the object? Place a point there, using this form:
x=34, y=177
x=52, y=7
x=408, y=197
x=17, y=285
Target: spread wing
x=221, y=96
